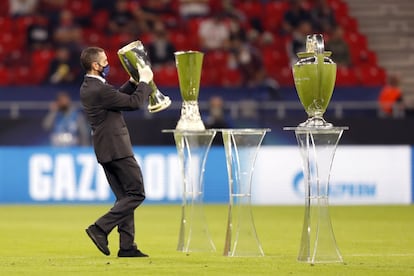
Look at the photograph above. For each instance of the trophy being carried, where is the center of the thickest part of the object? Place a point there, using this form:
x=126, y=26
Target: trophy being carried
x=189, y=65
x=132, y=54
x=314, y=76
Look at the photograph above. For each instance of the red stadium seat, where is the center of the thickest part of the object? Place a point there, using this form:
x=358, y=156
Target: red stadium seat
x=346, y=77
x=94, y=38
x=215, y=5
x=166, y=76
x=5, y=78
x=41, y=63
x=182, y=41
x=284, y=76
x=339, y=7
x=192, y=32
x=252, y=9
x=6, y=24
x=274, y=59
x=216, y=59
x=210, y=76
x=7, y=41
x=349, y=24
x=363, y=57
x=372, y=75
x=230, y=78
x=273, y=15
x=99, y=20
x=118, y=41
x=80, y=8
x=4, y=8
x=356, y=40
x=23, y=75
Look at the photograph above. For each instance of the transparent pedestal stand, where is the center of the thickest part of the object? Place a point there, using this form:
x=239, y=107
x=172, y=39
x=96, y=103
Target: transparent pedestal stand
x=241, y=147
x=317, y=147
x=193, y=148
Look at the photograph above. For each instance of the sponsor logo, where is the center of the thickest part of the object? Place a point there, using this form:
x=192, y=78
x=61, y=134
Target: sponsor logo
x=78, y=177
x=338, y=189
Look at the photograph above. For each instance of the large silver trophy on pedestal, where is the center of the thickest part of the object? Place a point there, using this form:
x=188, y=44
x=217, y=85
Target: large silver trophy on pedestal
x=189, y=65
x=132, y=54
x=314, y=76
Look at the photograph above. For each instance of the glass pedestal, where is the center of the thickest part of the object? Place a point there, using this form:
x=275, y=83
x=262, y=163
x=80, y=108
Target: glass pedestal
x=241, y=147
x=317, y=148
x=193, y=148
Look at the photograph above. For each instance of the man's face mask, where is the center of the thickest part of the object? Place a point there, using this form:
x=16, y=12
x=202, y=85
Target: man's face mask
x=105, y=70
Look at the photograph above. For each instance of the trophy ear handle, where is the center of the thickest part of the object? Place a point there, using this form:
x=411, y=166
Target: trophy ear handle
x=157, y=100
x=315, y=44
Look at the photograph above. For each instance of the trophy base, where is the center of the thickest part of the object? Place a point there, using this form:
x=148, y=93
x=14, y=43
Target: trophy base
x=316, y=122
x=153, y=108
x=190, y=117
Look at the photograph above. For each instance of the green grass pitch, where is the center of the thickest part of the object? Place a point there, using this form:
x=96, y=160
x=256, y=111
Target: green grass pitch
x=50, y=240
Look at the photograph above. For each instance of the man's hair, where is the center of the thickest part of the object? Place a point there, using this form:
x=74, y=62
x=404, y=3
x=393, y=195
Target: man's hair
x=88, y=56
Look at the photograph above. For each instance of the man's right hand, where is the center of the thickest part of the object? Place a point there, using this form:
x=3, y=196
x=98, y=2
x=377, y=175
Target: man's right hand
x=145, y=73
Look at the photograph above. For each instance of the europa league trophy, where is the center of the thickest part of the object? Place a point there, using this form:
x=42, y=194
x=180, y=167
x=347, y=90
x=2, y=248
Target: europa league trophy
x=129, y=56
x=314, y=76
x=189, y=65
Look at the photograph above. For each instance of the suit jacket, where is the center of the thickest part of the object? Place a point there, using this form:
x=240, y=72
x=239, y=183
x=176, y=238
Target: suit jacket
x=103, y=105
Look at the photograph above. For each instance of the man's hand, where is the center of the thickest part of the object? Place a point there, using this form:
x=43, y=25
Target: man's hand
x=145, y=73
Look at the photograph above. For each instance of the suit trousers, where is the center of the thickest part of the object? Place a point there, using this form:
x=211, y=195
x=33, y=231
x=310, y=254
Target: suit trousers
x=125, y=179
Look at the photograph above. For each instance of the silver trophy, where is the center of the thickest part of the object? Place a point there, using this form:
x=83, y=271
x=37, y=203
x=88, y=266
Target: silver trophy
x=132, y=54
x=314, y=76
x=189, y=65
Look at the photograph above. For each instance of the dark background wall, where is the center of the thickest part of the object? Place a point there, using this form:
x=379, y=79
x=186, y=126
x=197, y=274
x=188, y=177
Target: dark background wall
x=365, y=127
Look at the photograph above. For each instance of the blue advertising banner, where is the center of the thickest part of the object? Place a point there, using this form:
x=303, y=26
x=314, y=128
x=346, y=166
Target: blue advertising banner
x=360, y=175
x=72, y=175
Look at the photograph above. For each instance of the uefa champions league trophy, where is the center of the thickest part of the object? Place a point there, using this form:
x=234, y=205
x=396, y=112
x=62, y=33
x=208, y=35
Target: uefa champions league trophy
x=189, y=65
x=314, y=76
x=133, y=55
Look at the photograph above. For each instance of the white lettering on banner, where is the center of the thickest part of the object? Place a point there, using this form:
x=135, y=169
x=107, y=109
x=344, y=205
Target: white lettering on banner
x=86, y=176
x=55, y=178
x=70, y=177
x=338, y=189
x=360, y=175
x=154, y=171
x=102, y=186
x=162, y=176
x=40, y=167
x=64, y=178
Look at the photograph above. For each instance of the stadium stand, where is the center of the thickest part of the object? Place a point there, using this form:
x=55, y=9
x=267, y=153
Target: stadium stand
x=259, y=21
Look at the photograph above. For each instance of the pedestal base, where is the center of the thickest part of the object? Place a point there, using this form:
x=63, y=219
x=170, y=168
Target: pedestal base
x=241, y=146
x=317, y=147
x=193, y=148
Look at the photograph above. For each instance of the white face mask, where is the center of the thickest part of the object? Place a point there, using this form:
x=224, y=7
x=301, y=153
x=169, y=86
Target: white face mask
x=244, y=56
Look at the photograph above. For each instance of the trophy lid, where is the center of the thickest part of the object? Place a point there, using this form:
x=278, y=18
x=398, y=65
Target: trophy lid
x=314, y=47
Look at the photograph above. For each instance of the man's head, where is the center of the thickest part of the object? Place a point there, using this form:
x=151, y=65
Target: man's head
x=95, y=61
x=63, y=101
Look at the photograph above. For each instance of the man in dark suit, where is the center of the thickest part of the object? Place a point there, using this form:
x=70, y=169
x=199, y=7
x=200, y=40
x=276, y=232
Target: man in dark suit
x=103, y=105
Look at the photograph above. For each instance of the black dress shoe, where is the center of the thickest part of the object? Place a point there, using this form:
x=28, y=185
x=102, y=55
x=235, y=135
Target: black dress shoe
x=134, y=252
x=99, y=238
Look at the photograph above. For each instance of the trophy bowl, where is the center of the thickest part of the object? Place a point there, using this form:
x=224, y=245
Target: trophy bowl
x=314, y=75
x=189, y=64
x=133, y=55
